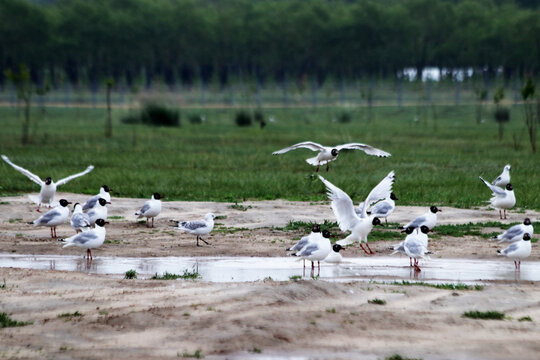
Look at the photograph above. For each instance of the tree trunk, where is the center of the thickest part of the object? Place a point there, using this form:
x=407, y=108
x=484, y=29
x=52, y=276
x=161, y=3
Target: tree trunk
x=26, y=122
x=108, y=123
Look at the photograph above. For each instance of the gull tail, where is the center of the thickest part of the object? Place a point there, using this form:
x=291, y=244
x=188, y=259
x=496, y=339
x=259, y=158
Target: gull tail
x=313, y=161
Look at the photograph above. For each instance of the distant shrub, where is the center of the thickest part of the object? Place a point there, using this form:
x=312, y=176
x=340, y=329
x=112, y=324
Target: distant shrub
x=159, y=115
x=195, y=119
x=243, y=118
x=502, y=115
x=131, y=119
x=345, y=117
x=258, y=116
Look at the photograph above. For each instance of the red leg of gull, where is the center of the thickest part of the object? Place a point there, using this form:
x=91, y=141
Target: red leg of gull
x=505, y=214
x=319, y=263
x=370, y=251
x=500, y=214
x=152, y=222
x=362, y=246
x=410, y=262
x=327, y=167
x=317, y=170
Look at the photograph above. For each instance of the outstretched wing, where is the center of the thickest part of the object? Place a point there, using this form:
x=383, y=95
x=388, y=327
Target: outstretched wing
x=25, y=172
x=368, y=149
x=69, y=178
x=379, y=192
x=306, y=144
x=495, y=189
x=342, y=206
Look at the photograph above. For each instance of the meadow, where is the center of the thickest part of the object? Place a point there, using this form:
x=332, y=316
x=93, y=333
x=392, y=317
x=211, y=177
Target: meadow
x=438, y=152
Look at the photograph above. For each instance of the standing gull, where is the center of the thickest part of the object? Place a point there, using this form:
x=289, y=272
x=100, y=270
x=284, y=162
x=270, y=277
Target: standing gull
x=327, y=153
x=416, y=246
x=518, y=250
x=317, y=249
x=516, y=232
x=198, y=227
x=48, y=187
x=343, y=208
x=429, y=219
x=90, y=239
x=504, y=178
x=54, y=217
x=99, y=211
x=79, y=220
x=335, y=257
x=302, y=243
x=502, y=199
x=382, y=209
x=104, y=192
x=151, y=208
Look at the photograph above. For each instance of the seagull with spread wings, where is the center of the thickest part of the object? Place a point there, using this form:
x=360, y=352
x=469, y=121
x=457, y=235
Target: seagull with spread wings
x=48, y=187
x=327, y=153
x=502, y=199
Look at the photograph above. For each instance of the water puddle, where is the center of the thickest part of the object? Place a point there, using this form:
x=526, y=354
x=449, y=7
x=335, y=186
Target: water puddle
x=240, y=269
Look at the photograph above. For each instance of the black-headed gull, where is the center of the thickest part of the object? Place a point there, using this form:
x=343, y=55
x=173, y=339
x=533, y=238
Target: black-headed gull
x=99, y=211
x=385, y=208
x=504, y=178
x=518, y=250
x=79, y=220
x=198, y=227
x=54, y=217
x=335, y=257
x=317, y=249
x=400, y=248
x=328, y=153
x=104, y=192
x=48, y=187
x=89, y=239
x=415, y=245
x=502, y=199
x=316, y=229
x=383, y=190
x=516, y=232
x=429, y=219
x=151, y=208
x=343, y=208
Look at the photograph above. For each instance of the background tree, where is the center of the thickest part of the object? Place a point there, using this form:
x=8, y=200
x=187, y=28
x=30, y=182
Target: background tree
x=532, y=118
x=21, y=81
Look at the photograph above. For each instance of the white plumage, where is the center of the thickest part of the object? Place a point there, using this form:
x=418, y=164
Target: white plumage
x=151, y=208
x=518, y=250
x=99, y=211
x=198, y=227
x=428, y=219
x=516, y=232
x=54, y=217
x=502, y=199
x=79, y=220
x=104, y=193
x=89, y=239
x=317, y=248
x=504, y=178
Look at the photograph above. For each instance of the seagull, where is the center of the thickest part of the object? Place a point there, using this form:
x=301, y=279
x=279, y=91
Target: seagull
x=400, y=248
x=79, y=220
x=198, y=227
x=415, y=246
x=382, y=209
x=104, y=192
x=90, y=239
x=518, y=250
x=99, y=211
x=327, y=153
x=317, y=249
x=343, y=208
x=516, y=232
x=501, y=199
x=383, y=190
x=504, y=178
x=54, y=217
x=151, y=208
x=335, y=257
x=429, y=219
x=48, y=187
x=316, y=229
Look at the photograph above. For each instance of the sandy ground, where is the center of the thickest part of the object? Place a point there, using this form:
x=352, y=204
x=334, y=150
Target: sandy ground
x=306, y=319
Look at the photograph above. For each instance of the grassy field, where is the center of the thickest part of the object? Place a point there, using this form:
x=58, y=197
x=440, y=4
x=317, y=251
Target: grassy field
x=438, y=154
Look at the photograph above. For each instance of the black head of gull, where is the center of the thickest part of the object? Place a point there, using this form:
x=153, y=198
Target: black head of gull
x=101, y=222
x=334, y=152
x=157, y=196
x=106, y=188
x=316, y=228
x=526, y=237
x=434, y=209
x=509, y=187
x=48, y=181
x=326, y=234
x=409, y=230
x=527, y=221
x=102, y=201
x=424, y=229
x=393, y=196
x=376, y=221
x=64, y=202
x=337, y=248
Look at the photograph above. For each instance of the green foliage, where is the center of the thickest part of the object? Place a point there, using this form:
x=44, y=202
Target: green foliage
x=295, y=277
x=195, y=119
x=498, y=96
x=3, y=286
x=377, y=301
x=525, y=318
x=6, y=321
x=159, y=115
x=243, y=118
x=130, y=274
x=528, y=89
x=458, y=286
x=69, y=316
x=196, y=355
x=186, y=275
x=484, y=315
x=345, y=117
x=502, y=115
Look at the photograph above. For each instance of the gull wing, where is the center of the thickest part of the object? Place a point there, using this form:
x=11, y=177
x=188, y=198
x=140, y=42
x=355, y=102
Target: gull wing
x=497, y=191
x=69, y=178
x=144, y=209
x=25, y=172
x=193, y=225
x=368, y=149
x=379, y=192
x=342, y=206
x=306, y=144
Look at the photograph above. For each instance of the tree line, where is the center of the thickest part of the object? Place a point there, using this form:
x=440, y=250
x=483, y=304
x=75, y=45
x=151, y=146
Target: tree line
x=85, y=42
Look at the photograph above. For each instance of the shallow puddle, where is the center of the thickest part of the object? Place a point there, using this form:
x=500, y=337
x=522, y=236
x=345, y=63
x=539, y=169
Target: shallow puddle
x=239, y=269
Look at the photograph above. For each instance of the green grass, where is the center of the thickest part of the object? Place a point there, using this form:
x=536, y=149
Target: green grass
x=484, y=315
x=130, y=274
x=445, y=286
x=377, y=301
x=436, y=161
x=196, y=355
x=525, y=318
x=69, y=316
x=306, y=227
x=6, y=321
x=169, y=276
x=399, y=357
x=3, y=286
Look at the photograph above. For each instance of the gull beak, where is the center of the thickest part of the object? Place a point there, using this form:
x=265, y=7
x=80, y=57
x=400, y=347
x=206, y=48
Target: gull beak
x=108, y=202
x=106, y=222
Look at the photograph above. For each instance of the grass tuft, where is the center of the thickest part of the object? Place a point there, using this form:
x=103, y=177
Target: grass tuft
x=484, y=315
x=6, y=321
x=196, y=355
x=377, y=301
x=130, y=274
x=69, y=316
x=169, y=276
x=399, y=357
x=525, y=318
x=445, y=286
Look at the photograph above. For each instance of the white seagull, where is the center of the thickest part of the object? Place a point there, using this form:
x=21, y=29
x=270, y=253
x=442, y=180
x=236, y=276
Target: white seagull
x=90, y=239
x=504, y=178
x=54, y=217
x=317, y=249
x=99, y=211
x=416, y=246
x=518, y=250
x=429, y=219
x=343, y=208
x=198, y=227
x=516, y=232
x=104, y=192
x=48, y=187
x=327, y=153
x=382, y=209
x=335, y=257
x=79, y=220
x=151, y=208
x=502, y=199
x=316, y=229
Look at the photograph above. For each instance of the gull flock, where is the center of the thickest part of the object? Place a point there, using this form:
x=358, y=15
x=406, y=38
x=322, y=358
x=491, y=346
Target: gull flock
x=89, y=220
